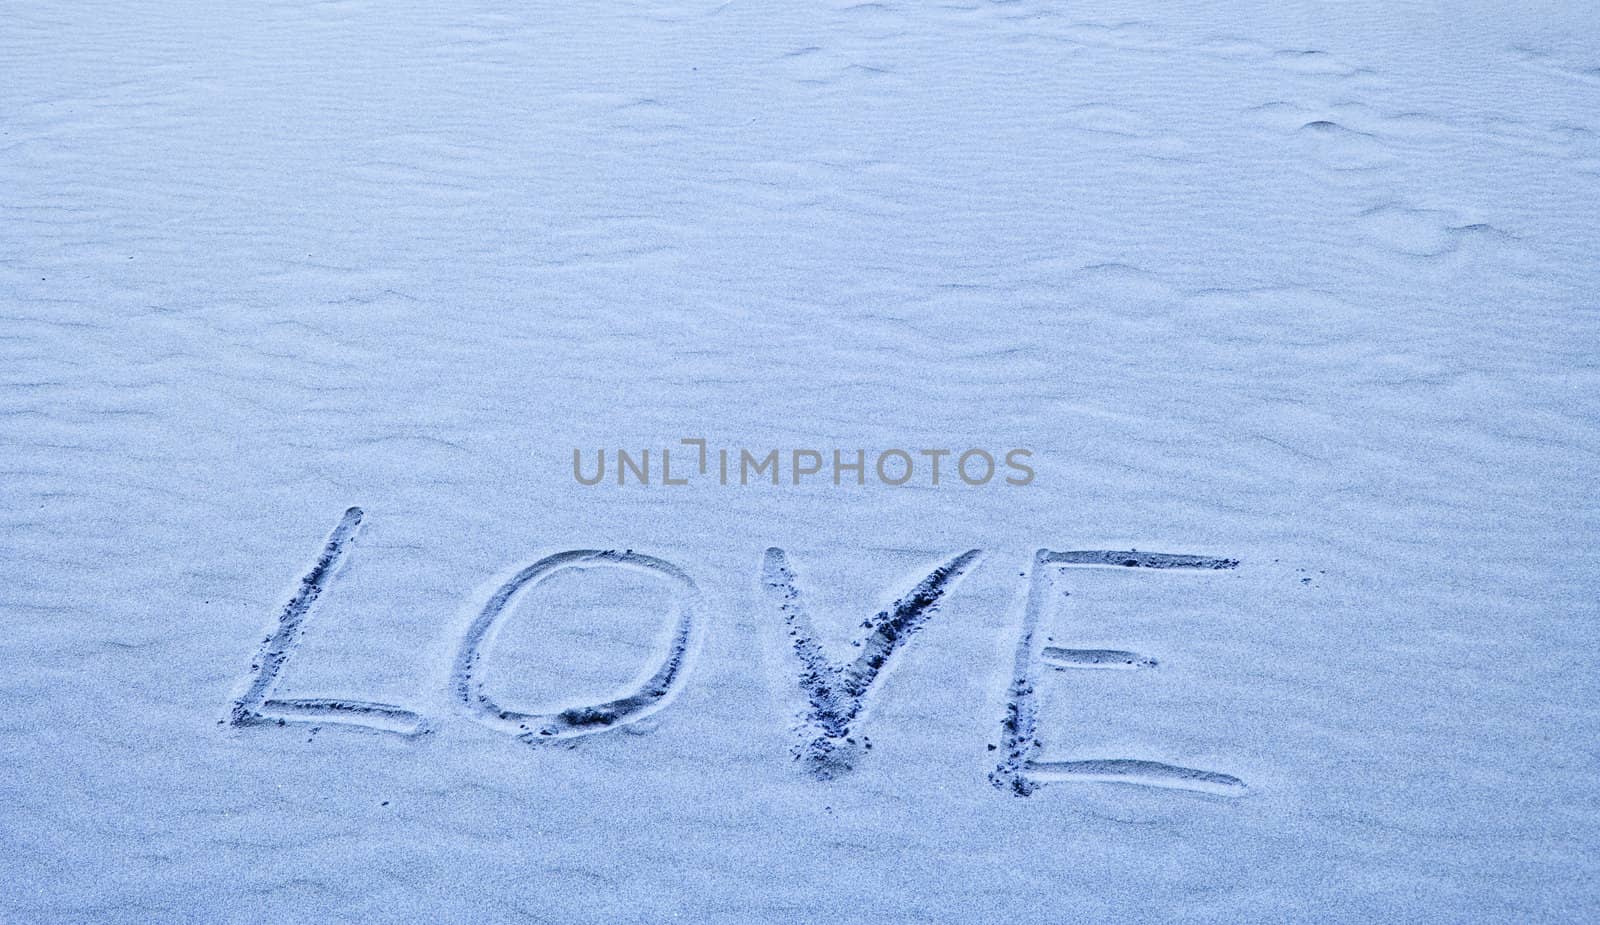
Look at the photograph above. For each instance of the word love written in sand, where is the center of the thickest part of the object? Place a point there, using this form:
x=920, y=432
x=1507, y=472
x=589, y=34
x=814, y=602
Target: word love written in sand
x=835, y=692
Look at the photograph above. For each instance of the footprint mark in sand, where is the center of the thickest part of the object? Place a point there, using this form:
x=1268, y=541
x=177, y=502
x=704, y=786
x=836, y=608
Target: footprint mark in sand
x=837, y=692
x=257, y=707
x=653, y=693
x=1020, y=769
x=1057, y=657
x=1136, y=771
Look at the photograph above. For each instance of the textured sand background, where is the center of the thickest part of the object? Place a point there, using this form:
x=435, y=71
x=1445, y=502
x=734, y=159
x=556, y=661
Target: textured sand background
x=1312, y=286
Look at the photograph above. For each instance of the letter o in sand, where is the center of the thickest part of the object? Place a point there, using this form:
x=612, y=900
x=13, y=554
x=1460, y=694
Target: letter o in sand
x=988, y=472
x=884, y=476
